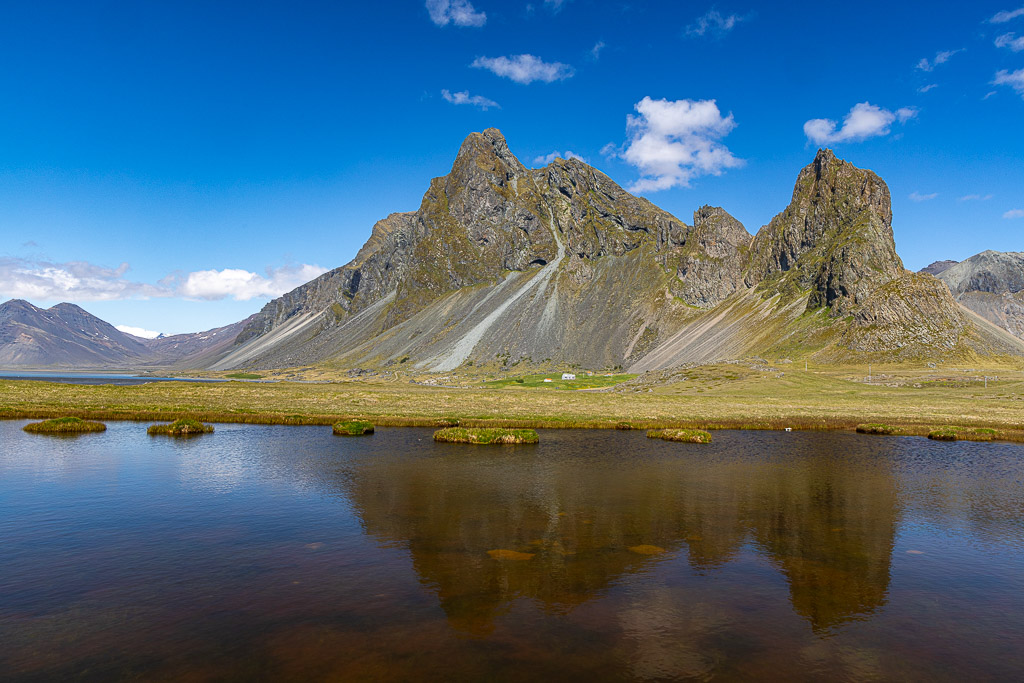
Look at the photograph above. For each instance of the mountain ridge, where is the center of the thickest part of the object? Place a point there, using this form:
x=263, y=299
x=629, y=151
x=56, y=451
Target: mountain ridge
x=504, y=264
x=990, y=284
x=66, y=335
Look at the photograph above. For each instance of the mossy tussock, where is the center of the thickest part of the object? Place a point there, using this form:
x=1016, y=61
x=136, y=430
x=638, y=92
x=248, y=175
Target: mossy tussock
x=181, y=427
x=65, y=425
x=353, y=428
x=877, y=428
x=485, y=436
x=683, y=435
x=950, y=433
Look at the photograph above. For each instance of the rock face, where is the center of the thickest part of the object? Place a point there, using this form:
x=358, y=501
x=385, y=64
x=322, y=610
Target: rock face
x=709, y=265
x=834, y=239
x=490, y=236
x=992, y=285
x=503, y=264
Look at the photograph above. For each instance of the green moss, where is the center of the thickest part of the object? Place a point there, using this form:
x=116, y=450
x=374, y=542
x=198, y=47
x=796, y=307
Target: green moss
x=244, y=375
x=483, y=435
x=181, y=427
x=944, y=434
x=684, y=435
x=353, y=428
x=65, y=425
x=875, y=428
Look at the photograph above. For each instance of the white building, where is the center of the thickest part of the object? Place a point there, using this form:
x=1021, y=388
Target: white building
x=568, y=375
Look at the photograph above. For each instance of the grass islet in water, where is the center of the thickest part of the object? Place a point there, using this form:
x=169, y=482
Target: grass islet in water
x=181, y=427
x=353, y=428
x=684, y=435
x=484, y=435
x=65, y=425
x=876, y=428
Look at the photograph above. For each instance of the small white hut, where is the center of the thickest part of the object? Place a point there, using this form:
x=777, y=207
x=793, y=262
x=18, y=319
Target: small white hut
x=568, y=375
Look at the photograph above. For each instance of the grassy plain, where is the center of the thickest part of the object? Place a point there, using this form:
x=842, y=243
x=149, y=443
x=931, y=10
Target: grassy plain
x=729, y=395
x=553, y=380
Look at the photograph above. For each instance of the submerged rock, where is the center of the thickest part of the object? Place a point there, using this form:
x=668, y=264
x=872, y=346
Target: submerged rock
x=502, y=554
x=646, y=549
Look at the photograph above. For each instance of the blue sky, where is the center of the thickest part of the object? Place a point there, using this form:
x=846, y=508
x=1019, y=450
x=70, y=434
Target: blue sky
x=171, y=165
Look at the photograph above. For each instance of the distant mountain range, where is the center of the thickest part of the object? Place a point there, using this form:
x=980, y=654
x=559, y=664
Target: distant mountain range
x=67, y=336
x=503, y=265
x=990, y=283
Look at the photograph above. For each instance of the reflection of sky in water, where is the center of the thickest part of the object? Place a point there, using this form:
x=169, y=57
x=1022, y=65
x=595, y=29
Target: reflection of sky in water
x=287, y=550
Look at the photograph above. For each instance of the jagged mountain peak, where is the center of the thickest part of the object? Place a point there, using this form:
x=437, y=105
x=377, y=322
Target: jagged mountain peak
x=835, y=238
x=714, y=222
x=560, y=264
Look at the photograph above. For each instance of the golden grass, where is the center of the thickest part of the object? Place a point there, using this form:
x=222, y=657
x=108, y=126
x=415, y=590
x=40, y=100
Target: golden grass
x=725, y=396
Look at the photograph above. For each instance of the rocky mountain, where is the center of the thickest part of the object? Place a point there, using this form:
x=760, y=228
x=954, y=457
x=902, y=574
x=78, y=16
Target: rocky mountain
x=193, y=349
x=936, y=267
x=990, y=284
x=64, y=335
x=71, y=337
x=503, y=264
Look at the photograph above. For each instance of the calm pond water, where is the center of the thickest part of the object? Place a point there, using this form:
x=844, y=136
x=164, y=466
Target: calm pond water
x=95, y=378
x=286, y=553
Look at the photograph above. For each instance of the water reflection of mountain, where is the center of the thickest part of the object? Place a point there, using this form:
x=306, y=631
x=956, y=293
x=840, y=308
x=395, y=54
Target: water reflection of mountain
x=823, y=513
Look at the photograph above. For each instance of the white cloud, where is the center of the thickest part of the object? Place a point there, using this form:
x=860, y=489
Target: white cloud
x=1014, y=213
x=1013, y=79
x=548, y=158
x=1005, y=16
x=555, y=5
x=74, y=280
x=864, y=121
x=81, y=281
x=243, y=285
x=975, y=198
x=904, y=114
x=1011, y=40
x=595, y=52
x=940, y=58
x=673, y=142
x=465, y=98
x=918, y=197
x=137, y=331
x=458, y=12
x=926, y=88
x=715, y=23
x=524, y=69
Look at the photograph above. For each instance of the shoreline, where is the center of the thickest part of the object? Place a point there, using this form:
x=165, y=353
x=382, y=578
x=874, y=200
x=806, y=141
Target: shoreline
x=714, y=397
x=1003, y=434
